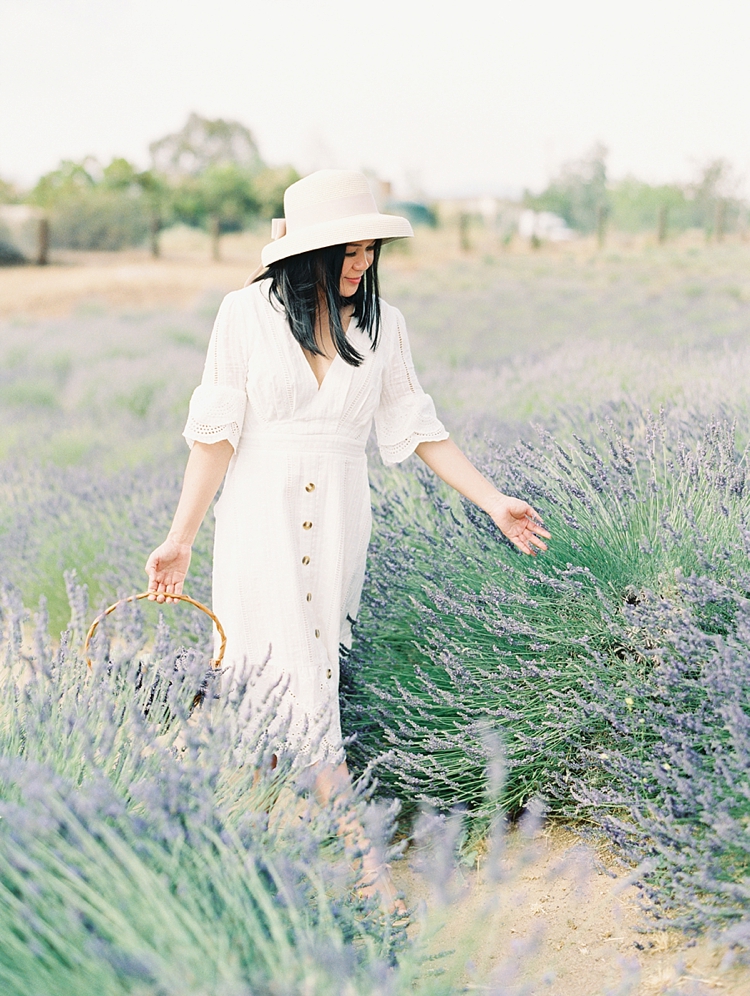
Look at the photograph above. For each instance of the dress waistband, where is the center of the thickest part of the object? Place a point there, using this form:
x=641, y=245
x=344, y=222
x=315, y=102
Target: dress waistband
x=318, y=442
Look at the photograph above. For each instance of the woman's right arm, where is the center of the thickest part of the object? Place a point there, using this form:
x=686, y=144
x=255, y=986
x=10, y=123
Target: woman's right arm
x=168, y=565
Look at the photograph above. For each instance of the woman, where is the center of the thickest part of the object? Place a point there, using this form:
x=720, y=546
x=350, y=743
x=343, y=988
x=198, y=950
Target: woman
x=299, y=364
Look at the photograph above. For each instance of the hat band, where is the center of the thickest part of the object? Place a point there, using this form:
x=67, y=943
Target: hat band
x=336, y=210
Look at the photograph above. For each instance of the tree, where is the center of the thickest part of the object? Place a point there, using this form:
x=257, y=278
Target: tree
x=715, y=196
x=202, y=143
x=158, y=198
x=270, y=185
x=224, y=192
x=579, y=193
x=212, y=166
x=221, y=199
x=70, y=179
x=120, y=175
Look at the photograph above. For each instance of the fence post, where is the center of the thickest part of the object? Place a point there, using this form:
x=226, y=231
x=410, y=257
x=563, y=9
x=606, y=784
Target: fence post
x=463, y=231
x=154, y=229
x=601, y=224
x=661, y=224
x=42, y=244
x=214, y=231
x=719, y=217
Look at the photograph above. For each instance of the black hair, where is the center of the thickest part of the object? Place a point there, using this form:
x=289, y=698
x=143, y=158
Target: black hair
x=295, y=284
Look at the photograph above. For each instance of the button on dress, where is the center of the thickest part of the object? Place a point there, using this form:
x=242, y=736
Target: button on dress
x=293, y=520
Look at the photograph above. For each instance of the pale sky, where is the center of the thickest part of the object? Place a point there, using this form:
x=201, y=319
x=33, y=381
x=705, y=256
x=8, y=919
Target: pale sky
x=462, y=97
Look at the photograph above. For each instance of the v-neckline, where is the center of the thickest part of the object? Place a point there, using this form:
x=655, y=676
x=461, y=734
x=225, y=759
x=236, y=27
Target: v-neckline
x=318, y=383
x=336, y=358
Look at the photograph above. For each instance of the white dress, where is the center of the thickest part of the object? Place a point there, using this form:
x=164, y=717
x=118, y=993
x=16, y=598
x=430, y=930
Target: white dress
x=293, y=520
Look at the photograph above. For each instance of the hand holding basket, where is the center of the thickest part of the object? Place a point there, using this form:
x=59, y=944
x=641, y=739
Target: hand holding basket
x=215, y=662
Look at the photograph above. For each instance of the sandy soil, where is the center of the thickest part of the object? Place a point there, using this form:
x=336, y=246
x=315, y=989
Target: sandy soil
x=129, y=282
x=132, y=280
x=566, y=922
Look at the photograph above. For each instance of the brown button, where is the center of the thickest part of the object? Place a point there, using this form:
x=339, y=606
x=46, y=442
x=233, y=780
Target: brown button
x=310, y=487
x=317, y=632
x=328, y=673
x=307, y=525
x=305, y=560
x=309, y=596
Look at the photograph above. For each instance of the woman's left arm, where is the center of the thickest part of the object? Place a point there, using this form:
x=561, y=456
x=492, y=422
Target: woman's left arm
x=516, y=519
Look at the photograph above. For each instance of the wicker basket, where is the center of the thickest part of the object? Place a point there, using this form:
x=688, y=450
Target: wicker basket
x=215, y=662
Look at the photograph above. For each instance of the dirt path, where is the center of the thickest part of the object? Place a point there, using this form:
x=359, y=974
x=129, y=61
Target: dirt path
x=564, y=922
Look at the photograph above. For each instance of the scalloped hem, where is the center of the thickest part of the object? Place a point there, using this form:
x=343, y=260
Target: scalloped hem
x=398, y=452
x=229, y=432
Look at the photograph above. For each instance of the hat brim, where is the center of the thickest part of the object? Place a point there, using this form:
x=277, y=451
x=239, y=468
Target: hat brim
x=334, y=233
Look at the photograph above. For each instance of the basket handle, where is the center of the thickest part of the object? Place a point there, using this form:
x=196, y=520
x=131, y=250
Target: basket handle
x=215, y=662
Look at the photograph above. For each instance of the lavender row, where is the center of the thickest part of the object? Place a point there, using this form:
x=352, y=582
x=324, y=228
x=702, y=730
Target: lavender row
x=614, y=668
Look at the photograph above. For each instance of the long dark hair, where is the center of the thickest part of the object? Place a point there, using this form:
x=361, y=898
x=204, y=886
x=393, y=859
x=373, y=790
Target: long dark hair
x=295, y=282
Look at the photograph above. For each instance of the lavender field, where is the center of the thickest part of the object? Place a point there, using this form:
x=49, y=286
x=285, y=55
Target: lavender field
x=608, y=679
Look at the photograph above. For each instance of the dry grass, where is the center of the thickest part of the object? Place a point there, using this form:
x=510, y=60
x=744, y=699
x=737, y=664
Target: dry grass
x=185, y=271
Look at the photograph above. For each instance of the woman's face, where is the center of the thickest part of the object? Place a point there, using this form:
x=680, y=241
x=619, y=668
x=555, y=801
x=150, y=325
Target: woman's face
x=358, y=258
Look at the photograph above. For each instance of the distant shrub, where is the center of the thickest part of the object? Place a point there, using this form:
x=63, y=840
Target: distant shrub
x=9, y=193
x=93, y=208
x=99, y=219
x=635, y=206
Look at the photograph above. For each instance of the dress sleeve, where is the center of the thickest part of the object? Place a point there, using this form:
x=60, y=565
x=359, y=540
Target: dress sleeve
x=217, y=407
x=406, y=415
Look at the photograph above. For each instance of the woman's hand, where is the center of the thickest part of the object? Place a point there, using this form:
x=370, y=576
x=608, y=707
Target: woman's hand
x=167, y=569
x=518, y=521
x=514, y=518
x=168, y=565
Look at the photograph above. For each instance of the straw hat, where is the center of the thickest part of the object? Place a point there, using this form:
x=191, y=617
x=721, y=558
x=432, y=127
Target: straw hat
x=330, y=208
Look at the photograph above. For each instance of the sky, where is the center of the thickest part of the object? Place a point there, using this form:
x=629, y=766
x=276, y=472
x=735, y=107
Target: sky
x=442, y=97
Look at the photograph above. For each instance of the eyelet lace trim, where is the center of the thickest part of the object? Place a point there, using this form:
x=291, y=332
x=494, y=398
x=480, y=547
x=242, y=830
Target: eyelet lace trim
x=216, y=413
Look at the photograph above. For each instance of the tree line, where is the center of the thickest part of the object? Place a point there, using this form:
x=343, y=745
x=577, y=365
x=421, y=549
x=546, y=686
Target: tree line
x=584, y=196
x=209, y=174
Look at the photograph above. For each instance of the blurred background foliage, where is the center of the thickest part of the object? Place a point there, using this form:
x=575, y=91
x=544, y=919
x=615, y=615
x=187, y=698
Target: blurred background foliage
x=583, y=195
x=8, y=192
x=207, y=175
x=210, y=175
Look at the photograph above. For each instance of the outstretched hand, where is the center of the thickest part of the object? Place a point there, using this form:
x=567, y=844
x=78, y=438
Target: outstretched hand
x=521, y=523
x=167, y=569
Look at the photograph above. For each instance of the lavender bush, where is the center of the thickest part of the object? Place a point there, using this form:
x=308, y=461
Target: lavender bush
x=636, y=612
x=91, y=408
x=671, y=787
x=100, y=526
x=146, y=849
x=548, y=654
x=136, y=853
